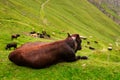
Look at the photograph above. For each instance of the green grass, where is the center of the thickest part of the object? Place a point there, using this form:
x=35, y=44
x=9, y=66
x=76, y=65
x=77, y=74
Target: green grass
x=60, y=17
x=111, y=10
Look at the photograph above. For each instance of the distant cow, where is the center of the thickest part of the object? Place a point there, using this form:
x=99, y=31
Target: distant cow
x=11, y=45
x=96, y=42
x=88, y=42
x=41, y=36
x=34, y=35
x=44, y=33
x=109, y=48
x=15, y=36
x=32, y=32
x=91, y=48
x=41, y=55
x=48, y=35
x=82, y=37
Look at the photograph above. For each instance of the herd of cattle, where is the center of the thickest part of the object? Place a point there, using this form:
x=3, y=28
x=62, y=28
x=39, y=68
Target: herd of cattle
x=40, y=35
x=45, y=35
x=96, y=42
x=32, y=33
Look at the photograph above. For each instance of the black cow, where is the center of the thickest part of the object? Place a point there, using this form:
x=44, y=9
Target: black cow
x=92, y=48
x=41, y=36
x=88, y=42
x=96, y=42
x=11, y=45
x=32, y=32
x=15, y=36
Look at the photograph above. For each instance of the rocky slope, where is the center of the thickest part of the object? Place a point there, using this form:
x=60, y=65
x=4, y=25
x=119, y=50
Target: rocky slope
x=110, y=7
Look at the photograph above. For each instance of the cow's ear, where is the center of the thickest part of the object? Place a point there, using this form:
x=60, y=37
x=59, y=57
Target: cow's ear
x=69, y=35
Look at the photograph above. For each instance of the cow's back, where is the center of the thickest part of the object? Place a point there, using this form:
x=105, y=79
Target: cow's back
x=35, y=55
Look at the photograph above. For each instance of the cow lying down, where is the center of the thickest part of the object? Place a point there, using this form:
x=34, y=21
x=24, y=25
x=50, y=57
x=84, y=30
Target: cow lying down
x=41, y=55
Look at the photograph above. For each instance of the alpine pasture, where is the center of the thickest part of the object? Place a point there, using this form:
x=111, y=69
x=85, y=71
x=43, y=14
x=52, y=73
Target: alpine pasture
x=57, y=18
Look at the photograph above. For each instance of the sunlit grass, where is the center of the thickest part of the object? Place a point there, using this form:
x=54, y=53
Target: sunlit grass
x=60, y=17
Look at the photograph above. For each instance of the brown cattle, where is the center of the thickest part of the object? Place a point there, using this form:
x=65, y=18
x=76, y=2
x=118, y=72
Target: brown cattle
x=41, y=55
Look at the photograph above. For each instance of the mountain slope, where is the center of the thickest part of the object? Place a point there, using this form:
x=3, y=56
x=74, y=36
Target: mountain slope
x=58, y=17
x=82, y=19
x=109, y=7
x=75, y=16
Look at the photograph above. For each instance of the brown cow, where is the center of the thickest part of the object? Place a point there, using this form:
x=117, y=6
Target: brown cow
x=41, y=55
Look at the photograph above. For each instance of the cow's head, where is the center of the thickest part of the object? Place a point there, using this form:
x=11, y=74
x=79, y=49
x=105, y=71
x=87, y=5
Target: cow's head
x=17, y=35
x=77, y=41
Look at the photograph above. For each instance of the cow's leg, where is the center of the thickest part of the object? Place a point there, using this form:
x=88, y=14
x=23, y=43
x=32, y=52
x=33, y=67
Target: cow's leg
x=78, y=57
x=84, y=57
x=72, y=59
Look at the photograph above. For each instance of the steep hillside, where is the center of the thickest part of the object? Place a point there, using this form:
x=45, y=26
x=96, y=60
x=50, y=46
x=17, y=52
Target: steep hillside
x=58, y=17
x=75, y=16
x=109, y=7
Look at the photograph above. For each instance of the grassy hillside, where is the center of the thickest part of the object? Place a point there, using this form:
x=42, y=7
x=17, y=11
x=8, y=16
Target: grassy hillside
x=109, y=7
x=57, y=17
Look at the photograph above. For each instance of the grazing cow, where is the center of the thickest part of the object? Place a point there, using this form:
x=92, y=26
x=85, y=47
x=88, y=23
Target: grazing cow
x=34, y=35
x=44, y=33
x=15, y=36
x=109, y=48
x=41, y=55
x=32, y=32
x=96, y=42
x=41, y=36
x=38, y=33
x=48, y=35
x=91, y=48
x=88, y=42
x=82, y=37
x=10, y=45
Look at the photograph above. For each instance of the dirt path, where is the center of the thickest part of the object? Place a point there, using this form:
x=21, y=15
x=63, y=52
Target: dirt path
x=42, y=6
x=42, y=13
